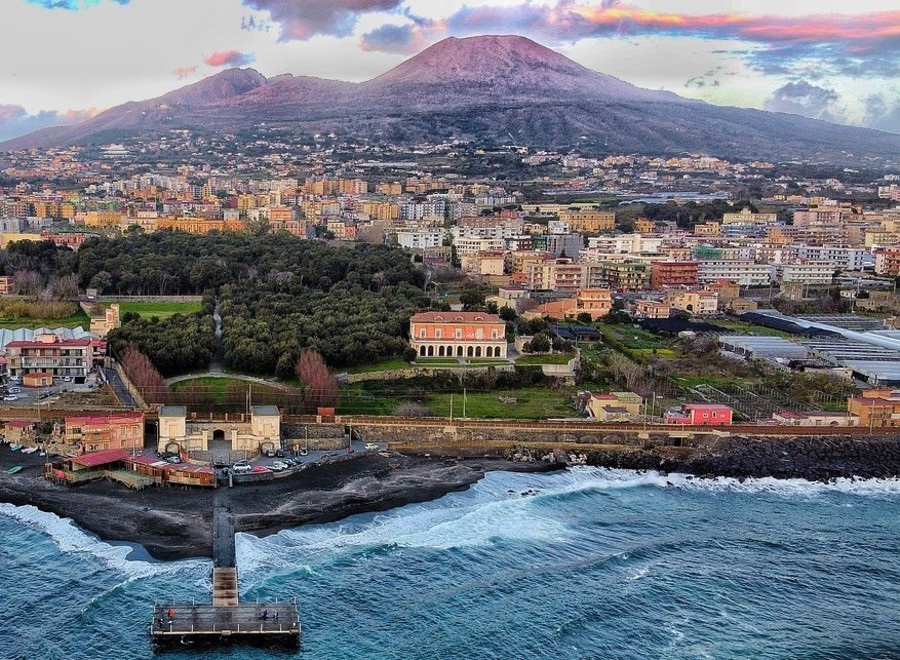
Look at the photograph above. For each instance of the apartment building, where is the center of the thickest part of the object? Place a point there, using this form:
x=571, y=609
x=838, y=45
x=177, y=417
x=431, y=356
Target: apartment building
x=744, y=272
x=651, y=309
x=695, y=302
x=420, y=239
x=49, y=354
x=106, y=431
x=806, y=272
x=589, y=220
x=887, y=261
x=673, y=274
x=747, y=217
x=624, y=276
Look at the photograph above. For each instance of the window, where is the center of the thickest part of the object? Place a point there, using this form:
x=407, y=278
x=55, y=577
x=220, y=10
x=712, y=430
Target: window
x=437, y=333
x=422, y=333
x=458, y=333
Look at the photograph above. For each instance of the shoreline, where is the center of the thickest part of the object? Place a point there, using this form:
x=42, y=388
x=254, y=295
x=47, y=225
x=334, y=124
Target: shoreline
x=175, y=523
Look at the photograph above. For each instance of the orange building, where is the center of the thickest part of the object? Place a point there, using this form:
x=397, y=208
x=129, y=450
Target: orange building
x=112, y=431
x=673, y=273
x=876, y=408
x=457, y=334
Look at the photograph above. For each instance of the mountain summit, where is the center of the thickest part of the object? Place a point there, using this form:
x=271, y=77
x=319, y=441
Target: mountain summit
x=485, y=89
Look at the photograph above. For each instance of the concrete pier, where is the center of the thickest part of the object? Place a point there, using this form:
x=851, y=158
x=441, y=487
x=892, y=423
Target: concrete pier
x=225, y=620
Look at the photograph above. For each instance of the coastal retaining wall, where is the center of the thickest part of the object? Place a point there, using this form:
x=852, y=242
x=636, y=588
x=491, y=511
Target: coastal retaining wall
x=449, y=435
x=317, y=437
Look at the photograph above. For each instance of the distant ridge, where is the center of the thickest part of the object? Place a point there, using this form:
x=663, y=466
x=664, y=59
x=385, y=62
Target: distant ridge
x=493, y=89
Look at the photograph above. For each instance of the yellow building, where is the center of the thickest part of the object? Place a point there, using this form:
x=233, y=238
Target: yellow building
x=103, y=219
x=589, y=220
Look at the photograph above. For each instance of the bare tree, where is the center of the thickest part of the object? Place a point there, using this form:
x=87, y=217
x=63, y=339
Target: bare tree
x=320, y=388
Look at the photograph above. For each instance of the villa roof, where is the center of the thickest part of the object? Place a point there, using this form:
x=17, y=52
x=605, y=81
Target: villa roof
x=445, y=317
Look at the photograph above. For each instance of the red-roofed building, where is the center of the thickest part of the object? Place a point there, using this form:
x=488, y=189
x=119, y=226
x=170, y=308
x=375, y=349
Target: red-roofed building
x=51, y=354
x=107, y=432
x=700, y=414
x=457, y=334
x=98, y=458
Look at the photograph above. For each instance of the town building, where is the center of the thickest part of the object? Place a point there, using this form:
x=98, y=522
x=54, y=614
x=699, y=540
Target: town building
x=742, y=271
x=457, y=334
x=700, y=414
x=747, y=217
x=49, y=354
x=876, y=408
x=651, y=309
x=673, y=274
x=589, y=221
x=695, y=302
x=107, y=431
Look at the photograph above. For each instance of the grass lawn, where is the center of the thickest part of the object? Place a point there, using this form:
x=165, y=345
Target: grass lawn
x=14, y=323
x=163, y=310
x=531, y=403
x=216, y=388
x=486, y=361
x=387, y=364
x=436, y=362
x=559, y=358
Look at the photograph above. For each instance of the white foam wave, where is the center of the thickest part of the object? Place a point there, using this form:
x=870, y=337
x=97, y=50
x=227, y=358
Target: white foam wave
x=501, y=507
x=69, y=538
x=590, y=478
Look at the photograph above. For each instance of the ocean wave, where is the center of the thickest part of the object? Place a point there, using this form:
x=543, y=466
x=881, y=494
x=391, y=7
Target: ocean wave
x=69, y=538
x=580, y=478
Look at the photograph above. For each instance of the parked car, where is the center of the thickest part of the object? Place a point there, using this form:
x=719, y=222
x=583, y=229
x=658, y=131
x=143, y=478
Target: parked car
x=242, y=468
x=371, y=446
x=260, y=468
x=10, y=397
x=67, y=379
x=173, y=459
x=280, y=464
x=15, y=389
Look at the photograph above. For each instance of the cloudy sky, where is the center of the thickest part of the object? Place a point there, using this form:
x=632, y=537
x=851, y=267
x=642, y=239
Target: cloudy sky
x=64, y=60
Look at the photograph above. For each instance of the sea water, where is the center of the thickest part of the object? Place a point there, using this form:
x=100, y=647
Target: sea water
x=587, y=563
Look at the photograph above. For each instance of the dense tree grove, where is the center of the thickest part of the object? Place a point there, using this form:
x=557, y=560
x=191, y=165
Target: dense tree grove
x=278, y=295
x=176, y=345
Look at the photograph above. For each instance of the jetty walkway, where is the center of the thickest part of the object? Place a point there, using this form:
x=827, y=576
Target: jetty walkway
x=225, y=620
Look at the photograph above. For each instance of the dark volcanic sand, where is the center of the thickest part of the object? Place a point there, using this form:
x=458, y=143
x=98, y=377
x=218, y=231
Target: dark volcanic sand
x=174, y=523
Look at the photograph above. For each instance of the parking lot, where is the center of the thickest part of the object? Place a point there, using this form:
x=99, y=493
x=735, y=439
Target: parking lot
x=47, y=394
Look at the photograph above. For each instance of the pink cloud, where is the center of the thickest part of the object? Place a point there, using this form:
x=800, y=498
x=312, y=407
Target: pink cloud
x=184, y=71
x=229, y=58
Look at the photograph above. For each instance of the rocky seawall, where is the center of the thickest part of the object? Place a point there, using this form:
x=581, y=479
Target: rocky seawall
x=814, y=459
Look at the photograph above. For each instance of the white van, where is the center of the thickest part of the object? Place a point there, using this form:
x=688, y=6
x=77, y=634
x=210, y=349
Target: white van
x=15, y=389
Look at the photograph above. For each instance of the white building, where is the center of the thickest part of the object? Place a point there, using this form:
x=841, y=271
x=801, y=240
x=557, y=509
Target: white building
x=745, y=273
x=420, y=239
x=813, y=272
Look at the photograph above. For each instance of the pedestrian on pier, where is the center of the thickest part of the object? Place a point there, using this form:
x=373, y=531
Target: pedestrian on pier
x=171, y=614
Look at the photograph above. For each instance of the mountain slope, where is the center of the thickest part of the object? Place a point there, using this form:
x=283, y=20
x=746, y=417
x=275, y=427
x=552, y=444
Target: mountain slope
x=487, y=89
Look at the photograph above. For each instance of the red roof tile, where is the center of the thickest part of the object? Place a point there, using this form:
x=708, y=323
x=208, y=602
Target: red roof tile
x=101, y=457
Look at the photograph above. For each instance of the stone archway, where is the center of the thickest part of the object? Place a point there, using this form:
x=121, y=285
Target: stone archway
x=220, y=446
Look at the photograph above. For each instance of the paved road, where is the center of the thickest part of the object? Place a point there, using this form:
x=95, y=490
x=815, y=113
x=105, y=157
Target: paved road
x=119, y=388
x=215, y=365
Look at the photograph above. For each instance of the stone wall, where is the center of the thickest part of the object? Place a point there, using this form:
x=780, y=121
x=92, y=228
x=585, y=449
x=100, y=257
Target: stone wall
x=428, y=372
x=447, y=435
x=317, y=437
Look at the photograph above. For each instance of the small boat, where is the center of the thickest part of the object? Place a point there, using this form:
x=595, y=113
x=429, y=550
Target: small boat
x=29, y=450
x=15, y=469
x=15, y=447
